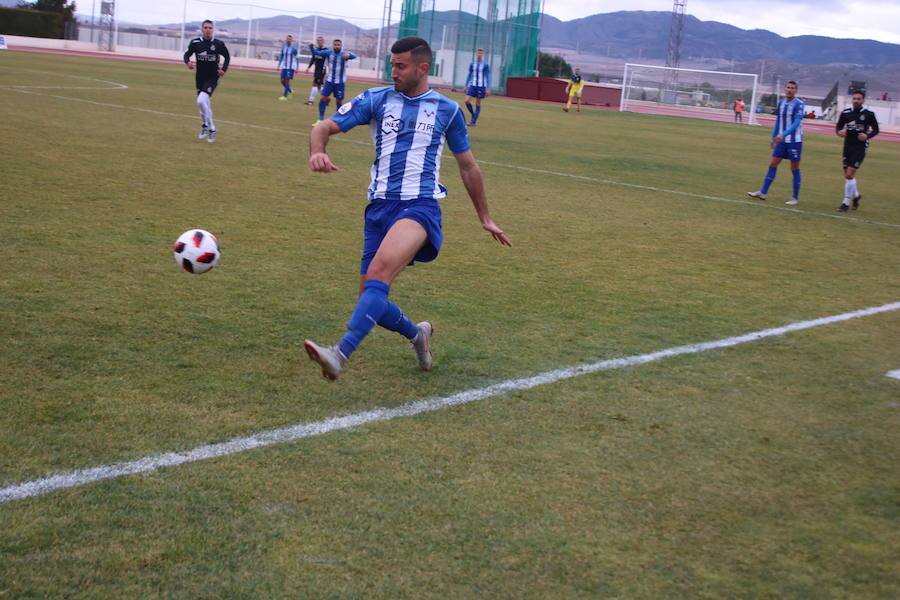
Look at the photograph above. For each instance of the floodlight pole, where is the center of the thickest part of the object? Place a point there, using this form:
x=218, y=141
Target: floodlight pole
x=183, y=21
x=249, y=31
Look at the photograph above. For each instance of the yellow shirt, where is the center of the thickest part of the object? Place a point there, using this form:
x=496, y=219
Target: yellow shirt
x=575, y=85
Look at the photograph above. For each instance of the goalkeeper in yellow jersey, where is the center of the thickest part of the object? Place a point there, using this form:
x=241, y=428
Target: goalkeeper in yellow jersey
x=573, y=90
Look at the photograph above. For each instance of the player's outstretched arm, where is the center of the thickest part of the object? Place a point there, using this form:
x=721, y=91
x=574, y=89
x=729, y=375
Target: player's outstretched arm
x=474, y=182
x=319, y=160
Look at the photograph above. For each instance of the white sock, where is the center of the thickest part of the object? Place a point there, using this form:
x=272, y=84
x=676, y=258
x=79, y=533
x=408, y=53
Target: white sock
x=848, y=191
x=312, y=93
x=206, y=109
x=201, y=106
x=854, y=189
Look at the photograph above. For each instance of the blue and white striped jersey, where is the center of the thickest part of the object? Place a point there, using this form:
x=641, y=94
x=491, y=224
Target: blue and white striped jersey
x=288, y=58
x=335, y=62
x=789, y=119
x=479, y=74
x=409, y=135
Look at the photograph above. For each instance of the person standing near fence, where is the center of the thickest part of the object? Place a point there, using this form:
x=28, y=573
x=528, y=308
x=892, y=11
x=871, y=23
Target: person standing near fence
x=207, y=50
x=739, y=110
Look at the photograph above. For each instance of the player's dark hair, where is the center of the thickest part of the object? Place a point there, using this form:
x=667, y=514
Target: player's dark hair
x=794, y=82
x=205, y=22
x=860, y=92
x=416, y=46
x=337, y=41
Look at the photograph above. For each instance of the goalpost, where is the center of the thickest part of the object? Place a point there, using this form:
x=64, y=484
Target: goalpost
x=688, y=92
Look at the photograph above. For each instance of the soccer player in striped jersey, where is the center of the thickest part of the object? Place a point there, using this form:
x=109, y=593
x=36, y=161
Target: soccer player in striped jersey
x=857, y=125
x=409, y=123
x=288, y=61
x=573, y=89
x=787, y=141
x=319, y=73
x=336, y=63
x=207, y=50
x=478, y=84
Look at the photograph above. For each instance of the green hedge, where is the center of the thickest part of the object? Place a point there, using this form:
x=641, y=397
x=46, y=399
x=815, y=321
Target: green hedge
x=31, y=23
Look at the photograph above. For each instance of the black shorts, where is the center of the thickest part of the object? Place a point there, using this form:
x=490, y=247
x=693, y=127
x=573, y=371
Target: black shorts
x=319, y=78
x=854, y=155
x=207, y=83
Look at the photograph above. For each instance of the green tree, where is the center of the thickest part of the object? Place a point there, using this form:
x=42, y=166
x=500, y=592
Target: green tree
x=551, y=65
x=66, y=8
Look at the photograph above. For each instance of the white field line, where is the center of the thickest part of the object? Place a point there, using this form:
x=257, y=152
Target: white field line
x=115, y=85
x=485, y=162
x=39, y=487
x=893, y=374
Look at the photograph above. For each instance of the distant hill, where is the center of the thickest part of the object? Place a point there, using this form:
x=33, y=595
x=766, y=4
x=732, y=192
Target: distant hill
x=629, y=34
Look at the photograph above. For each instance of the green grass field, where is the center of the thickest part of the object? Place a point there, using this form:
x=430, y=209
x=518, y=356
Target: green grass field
x=765, y=470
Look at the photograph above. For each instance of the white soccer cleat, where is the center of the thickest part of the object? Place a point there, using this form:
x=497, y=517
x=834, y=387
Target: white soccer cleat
x=212, y=136
x=329, y=358
x=204, y=131
x=759, y=195
x=792, y=202
x=422, y=345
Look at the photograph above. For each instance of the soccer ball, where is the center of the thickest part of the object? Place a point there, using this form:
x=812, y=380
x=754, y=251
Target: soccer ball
x=197, y=251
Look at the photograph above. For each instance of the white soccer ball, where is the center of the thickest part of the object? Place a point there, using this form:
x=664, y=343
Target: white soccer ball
x=197, y=251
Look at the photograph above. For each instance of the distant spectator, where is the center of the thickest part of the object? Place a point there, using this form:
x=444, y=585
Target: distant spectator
x=884, y=96
x=739, y=110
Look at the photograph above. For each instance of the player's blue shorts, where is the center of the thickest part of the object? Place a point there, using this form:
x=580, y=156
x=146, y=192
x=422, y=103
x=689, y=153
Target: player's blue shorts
x=287, y=73
x=788, y=150
x=333, y=89
x=475, y=91
x=381, y=216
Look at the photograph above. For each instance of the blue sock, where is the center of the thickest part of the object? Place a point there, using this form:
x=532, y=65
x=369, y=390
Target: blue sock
x=469, y=107
x=322, y=105
x=369, y=310
x=796, y=174
x=287, y=89
x=770, y=177
x=393, y=319
x=337, y=104
x=477, y=112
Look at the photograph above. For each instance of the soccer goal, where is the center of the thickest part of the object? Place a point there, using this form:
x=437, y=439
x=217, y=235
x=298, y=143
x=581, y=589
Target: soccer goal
x=688, y=92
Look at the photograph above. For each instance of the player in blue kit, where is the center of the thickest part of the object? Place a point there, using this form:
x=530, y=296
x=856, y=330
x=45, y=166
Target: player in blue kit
x=288, y=61
x=478, y=85
x=336, y=63
x=787, y=141
x=410, y=124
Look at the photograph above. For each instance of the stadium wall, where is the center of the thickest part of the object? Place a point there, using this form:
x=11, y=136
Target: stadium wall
x=554, y=90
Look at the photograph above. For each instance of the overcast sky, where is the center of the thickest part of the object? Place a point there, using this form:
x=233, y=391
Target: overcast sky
x=870, y=19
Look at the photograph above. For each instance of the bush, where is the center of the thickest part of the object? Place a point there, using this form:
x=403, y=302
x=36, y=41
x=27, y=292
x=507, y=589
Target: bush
x=31, y=23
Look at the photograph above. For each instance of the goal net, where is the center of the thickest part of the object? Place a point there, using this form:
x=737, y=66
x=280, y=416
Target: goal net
x=688, y=92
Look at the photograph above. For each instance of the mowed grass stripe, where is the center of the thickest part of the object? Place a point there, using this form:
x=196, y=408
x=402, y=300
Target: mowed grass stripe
x=82, y=477
x=484, y=162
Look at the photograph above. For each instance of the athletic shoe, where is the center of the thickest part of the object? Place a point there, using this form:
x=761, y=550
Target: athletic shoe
x=472, y=124
x=212, y=136
x=317, y=122
x=422, y=345
x=204, y=131
x=329, y=358
x=843, y=208
x=759, y=195
x=565, y=109
x=792, y=202
x=856, y=202
x=309, y=103
x=282, y=97
x=579, y=110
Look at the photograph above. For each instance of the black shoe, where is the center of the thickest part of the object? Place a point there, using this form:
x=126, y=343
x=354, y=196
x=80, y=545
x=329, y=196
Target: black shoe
x=856, y=202
x=843, y=208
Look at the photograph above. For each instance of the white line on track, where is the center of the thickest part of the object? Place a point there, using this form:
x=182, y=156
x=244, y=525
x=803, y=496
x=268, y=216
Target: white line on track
x=46, y=485
x=893, y=374
x=486, y=162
